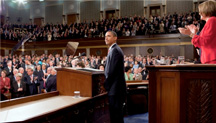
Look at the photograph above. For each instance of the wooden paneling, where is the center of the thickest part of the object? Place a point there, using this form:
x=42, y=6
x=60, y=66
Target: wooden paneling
x=39, y=52
x=71, y=18
x=2, y=19
x=18, y=53
x=27, y=99
x=79, y=51
x=110, y=14
x=168, y=92
x=2, y=52
x=97, y=45
x=74, y=82
x=56, y=108
x=182, y=93
x=38, y=21
x=87, y=82
x=27, y=52
x=199, y=97
x=155, y=11
x=54, y=52
x=93, y=42
x=98, y=51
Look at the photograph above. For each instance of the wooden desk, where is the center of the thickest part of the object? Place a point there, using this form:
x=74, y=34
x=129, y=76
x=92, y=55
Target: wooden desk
x=58, y=109
x=137, y=83
x=60, y=106
x=38, y=108
x=182, y=93
x=137, y=97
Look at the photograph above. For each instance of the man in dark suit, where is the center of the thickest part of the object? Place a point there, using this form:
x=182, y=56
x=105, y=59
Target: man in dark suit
x=56, y=60
x=51, y=81
x=115, y=80
x=31, y=82
x=9, y=69
x=40, y=75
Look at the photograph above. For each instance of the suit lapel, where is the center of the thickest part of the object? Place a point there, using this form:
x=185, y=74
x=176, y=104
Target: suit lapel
x=109, y=56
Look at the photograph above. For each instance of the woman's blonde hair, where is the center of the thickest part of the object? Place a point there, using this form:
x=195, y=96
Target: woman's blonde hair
x=208, y=8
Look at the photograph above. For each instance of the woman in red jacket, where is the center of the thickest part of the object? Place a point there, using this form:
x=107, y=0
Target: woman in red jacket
x=206, y=40
x=4, y=83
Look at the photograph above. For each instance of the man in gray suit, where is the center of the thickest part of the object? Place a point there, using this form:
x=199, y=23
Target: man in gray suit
x=115, y=80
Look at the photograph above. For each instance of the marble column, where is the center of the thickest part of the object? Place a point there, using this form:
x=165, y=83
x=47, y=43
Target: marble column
x=137, y=50
x=87, y=52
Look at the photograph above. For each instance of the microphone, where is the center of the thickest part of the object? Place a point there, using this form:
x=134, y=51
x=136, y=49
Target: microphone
x=82, y=54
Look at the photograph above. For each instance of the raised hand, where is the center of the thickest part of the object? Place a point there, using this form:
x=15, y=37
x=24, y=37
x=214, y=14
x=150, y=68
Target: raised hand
x=194, y=29
x=185, y=31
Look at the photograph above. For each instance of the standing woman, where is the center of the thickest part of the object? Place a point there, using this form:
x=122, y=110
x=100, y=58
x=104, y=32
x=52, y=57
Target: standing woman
x=19, y=86
x=206, y=40
x=4, y=83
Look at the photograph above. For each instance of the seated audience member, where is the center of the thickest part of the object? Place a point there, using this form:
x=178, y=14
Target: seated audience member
x=149, y=61
x=74, y=63
x=87, y=65
x=4, y=83
x=31, y=82
x=128, y=32
x=137, y=75
x=136, y=65
x=19, y=86
x=9, y=69
x=49, y=37
x=128, y=74
x=80, y=65
x=144, y=73
x=51, y=81
x=101, y=67
x=51, y=64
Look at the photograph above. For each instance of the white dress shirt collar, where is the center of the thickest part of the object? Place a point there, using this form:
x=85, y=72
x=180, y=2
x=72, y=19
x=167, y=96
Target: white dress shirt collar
x=111, y=46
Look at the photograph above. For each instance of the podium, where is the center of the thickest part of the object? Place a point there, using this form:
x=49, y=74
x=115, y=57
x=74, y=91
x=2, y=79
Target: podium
x=88, y=81
x=182, y=94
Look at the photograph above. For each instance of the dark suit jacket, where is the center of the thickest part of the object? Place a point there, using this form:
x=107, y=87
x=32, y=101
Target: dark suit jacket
x=31, y=87
x=56, y=61
x=40, y=75
x=144, y=74
x=114, y=72
x=16, y=93
x=51, y=83
x=9, y=74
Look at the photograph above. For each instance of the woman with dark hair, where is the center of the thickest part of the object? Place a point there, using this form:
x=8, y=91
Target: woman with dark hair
x=128, y=73
x=4, y=83
x=101, y=67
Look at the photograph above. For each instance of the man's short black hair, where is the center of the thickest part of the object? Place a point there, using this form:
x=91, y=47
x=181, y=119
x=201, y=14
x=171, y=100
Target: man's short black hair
x=113, y=32
x=127, y=68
